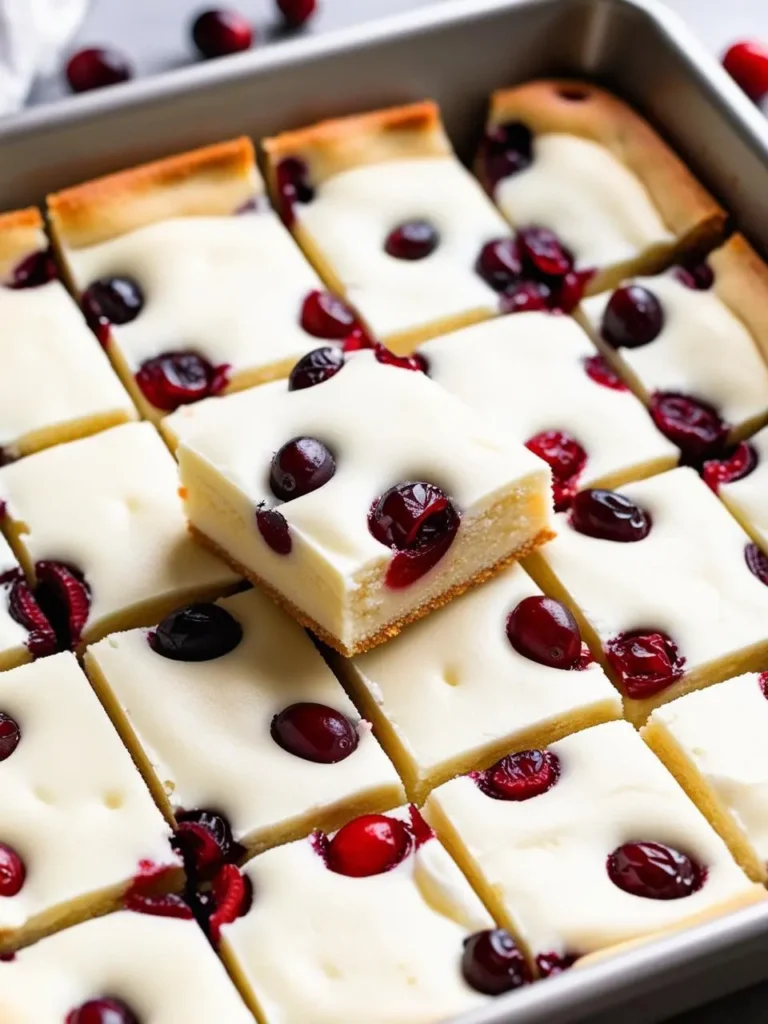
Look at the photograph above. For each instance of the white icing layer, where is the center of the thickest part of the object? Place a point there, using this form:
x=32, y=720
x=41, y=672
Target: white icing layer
x=748, y=498
x=13, y=637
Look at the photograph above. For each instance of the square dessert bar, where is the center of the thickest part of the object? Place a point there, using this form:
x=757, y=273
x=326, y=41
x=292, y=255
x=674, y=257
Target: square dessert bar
x=587, y=845
x=362, y=502
x=78, y=827
x=98, y=526
x=713, y=742
x=190, y=278
x=665, y=586
x=569, y=157
x=311, y=896
x=121, y=969
x=691, y=343
x=230, y=711
x=538, y=377
x=390, y=218
x=501, y=668
x=57, y=383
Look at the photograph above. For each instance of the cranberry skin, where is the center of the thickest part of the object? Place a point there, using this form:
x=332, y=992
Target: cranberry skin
x=543, y=250
x=10, y=736
x=551, y=964
x=300, y=467
x=694, y=426
x=747, y=64
x=97, y=67
x=102, y=1011
x=562, y=453
x=416, y=362
x=292, y=184
x=205, y=840
x=757, y=562
x=654, y=871
x=218, y=33
x=609, y=515
x=412, y=240
x=500, y=264
x=699, y=277
x=296, y=12
x=645, y=662
x=570, y=290
x=763, y=683
x=12, y=871
x=273, y=527
x=522, y=776
x=545, y=631
x=112, y=300
x=740, y=463
x=507, y=149
x=525, y=297
x=315, y=732
x=63, y=597
x=601, y=373
x=493, y=963
x=36, y=270
x=323, y=315
x=198, y=632
x=410, y=515
x=232, y=897
x=369, y=845
x=179, y=378
x=632, y=318
x=317, y=366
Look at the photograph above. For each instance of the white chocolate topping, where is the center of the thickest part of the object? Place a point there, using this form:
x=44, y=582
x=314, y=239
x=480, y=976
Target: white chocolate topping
x=13, y=636
x=748, y=498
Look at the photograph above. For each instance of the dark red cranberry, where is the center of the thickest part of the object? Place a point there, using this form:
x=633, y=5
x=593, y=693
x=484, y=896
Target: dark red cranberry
x=292, y=184
x=317, y=366
x=506, y=150
x=420, y=522
x=10, y=735
x=65, y=600
x=566, y=458
x=493, y=963
x=23, y=608
x=415, y=362
x=12, y=871
x=694, y=426
x=180, y=378
x=520, y=776
x=168, y=905
x=369, y=845
x=757, y=562
x=231, y=898
x=204, y=838
x=314, y=732
x=7, y=958
x=323, y=315
x=97, y=67
x=34, y=271
x=102, y=1011
x=218, y=33
x=412, y=240
x=570, y=291
x=296, y=12
x=609, y=515
x=357, y=339
x=545, y=631
x=740, y=463
x=500, y=264
x=747, y=64
x=646, y=662
x=198, y=632
x=763, y=682
x=420, y=830
x=273, y=527
x=299, y=467
x=633, y=317
x=111, y=300
x=551, y=964
x=654, y=871
x=526, y=297
x=542, y=249
x=698, y=277
x=602, y=373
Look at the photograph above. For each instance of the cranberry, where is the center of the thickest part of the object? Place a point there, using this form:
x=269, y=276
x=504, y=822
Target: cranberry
x=96, y=67
x=633, y=317
x=763, y=683
x=12, y=871
x=232, y=897
x=314, y=732
x=204, y=838
x=317, y=366
x=23, y=608
x=420, y=830
x=296, y=12
x=412, y=240
x=570, y=291
x=198, y=632
x=111, y=300
x=299, y=467
x=544, y=250
x=217, y=33
x=609, y=515
x=292, y=184
x=65, y=600
x=102, y=1011
x=168, y=905
x=37, y=269
x=698, y=277
x=420, y=522
x=646, y=662
x=179, y=378
x=545, y=631
x=694, y=426
x=757, y=562
x=520, y=776
x=747, y=64
x=525, y=297
x=601, y=373
x=273, y=527
x=654, y=871
x=566, y=458
x=551, y=964
x=500, y=264
x=740, y=463
x=415, y=362
x=493, y=963
x=10, y=735
x=369, y=845
x=506, y=150
x=323, y=315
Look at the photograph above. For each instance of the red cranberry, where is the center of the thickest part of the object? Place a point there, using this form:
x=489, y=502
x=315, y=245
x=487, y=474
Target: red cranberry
x=570, y=291
x=65, y=600
x=493, y=963
x=232, y=897
x=273, y=527
x=10, y=736
x=296, y=12
x=410, y=515
x=179, y=378
x=23, y=608
x=102, y=1011
x=545, y=252
x=12, y=871
x=609, y=515
x=526, y=297
x=218, y=33
x=420, y=830
x=646, y=662
x=96, y=67
x=168, y=905
x=757, y=562
x=369, y=845
x=415, y=362
x=314, y=732
x=37, y=269
x=551, y=964
x=111, y=300
x=694, y=426
x=566, y=458
x=654, y=871
x=601, y=373
x=412, y=240
x=763, y=683
x=292, y=184
x=698, y=277
x=205, y=840
x=323, y=315
x=747, y=64
x=740, y=463
x=299, y=467
x=317, y=366
x=633, y=317
x=520, y=776
x=500, y=264
x=198, y=632
x=506, y=150
x=545, y=631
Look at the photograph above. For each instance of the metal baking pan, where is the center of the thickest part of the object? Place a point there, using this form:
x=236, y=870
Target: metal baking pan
x=457, y=53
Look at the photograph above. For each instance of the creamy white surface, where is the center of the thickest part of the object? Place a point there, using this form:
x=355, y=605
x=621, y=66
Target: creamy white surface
x=703, y=350
x=163, y=968
x=72, y=804
x=353, y=213
x=591, y=200
x=12, y=635
x=748, y=498
x=404, y=968
x=526, y=373
x=546, y=856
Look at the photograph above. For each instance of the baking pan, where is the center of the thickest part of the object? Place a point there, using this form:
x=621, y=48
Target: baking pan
x=457, y=53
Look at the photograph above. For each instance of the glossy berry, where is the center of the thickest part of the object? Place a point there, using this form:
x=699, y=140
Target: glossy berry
x=645, y=662
x=218, y=33
x=323, y=315
x=598, y=370
x=65, y=600
x=296, y=12
x=747, y=64
x=299, y=467
x=500, y=264
x=525, y=297
x=416, y=362
x=412, y=240
x=111, y=300
x=566, y=458
x=97, y=67
x=314, y=732
x=315, y=367
x=24, y=608
x=632, y=318
x=654, y=871
x=12, y=871
x=520, y=776
x=293, y=186
x=34, y=271
x=763, y=683
x=545, y=631
x=204, y=839
x=542, y=249
x=369, y=845
x=10, y=736
x=410, y=515
x=179, y=378
x=551, y=964
x=506, y=150
x=698, y=277
x=694, y=426
x=197, y=632
x=102, y=1011
x=273, y=527
x=493, y=963
x=740, y=463
x=757, y=562
x=570, y=290
x=231, y=898
x=609, y=515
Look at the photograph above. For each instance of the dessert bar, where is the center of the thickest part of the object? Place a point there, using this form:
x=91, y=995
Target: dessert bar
x=741, y=480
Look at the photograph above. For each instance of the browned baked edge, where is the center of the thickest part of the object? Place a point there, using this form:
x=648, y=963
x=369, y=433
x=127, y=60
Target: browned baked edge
x=389, y=631
x=741, y=282
x=21, y=233
x=214, y=180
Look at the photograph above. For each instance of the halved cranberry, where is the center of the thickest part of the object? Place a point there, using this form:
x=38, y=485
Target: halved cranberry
x=296, y=12
x=506, y=150
x=544, y=250
x=12, y=871
x=551, y=964
x=757, y=562
x=609, y=515
x=197, y=632
x=24, y=609
x=292, y=184
x=102, y=1011
x=500, y=264
x=204, y=839
x=232, y=897
x=520, y=776
x=10, y=735
x=34, y=271
x=316, y=366
x=493, y=963
x=416, y=362
x=300, y=467
x=654, y=871
x=180, y=378
x=369, y=845
x=167, y=905
x=694, y=426
x=646, y=662
x=412, y=240
x=740, y=463
x=314, y=732
x=65, y=600
x=420, y=522
x=698, y=277
x=545, y=631
x=97, y=67
x=323, y=315
x=111, y=300
x=747, y=64
x=217, y=33
x=566, y=458
x=525, y=297
x=602, y=373
x=633, y=317
x=273, y=527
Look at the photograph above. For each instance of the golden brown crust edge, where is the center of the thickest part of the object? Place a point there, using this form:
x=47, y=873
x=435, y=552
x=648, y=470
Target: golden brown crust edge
x=21, y=233
x=212, y=181
x=741, y=282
